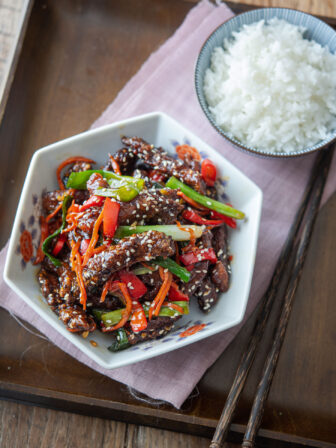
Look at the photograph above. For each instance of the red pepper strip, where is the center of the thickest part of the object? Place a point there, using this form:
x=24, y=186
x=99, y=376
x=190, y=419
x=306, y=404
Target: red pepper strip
x=59, y=244
x=156, y=176
x=192, y=216
x=183, y=150
x=226, y=219
x=115, y=165
x=198, y=255
x=110, y=219
x=54, y=213
x=93, y=201
x=135, y=286
x=44, y=234
x=190, y=267
x=208, y=172
x=176, y=295
x=138, y=319
x=66, y=162
x=192, y=202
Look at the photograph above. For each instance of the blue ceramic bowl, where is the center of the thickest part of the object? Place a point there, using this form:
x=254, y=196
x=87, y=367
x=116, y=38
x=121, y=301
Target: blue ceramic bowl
x=316, y=30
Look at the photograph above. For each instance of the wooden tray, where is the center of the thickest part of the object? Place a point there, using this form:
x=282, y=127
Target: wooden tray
x=75, y=58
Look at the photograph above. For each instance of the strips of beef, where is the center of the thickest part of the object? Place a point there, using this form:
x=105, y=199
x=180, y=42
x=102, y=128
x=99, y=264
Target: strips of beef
x=151, y=207
x=156, y=329
x=221, y=272
x=159, y=160
x=75, y=318
x=97, y=275
x=131, y=250
x=52, y=199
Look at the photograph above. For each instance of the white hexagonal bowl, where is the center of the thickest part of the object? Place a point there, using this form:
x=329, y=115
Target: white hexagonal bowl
x=161, y=130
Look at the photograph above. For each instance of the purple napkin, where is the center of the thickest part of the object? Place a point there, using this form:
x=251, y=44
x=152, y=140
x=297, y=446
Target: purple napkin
x=165, y=83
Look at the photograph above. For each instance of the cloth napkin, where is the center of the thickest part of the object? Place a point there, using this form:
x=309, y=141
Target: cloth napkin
x=165, y=83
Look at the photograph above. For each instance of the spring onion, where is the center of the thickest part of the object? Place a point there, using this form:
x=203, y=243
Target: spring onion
x=110, y=318
x=119, y=340
x=171, y=230
x=210, y=203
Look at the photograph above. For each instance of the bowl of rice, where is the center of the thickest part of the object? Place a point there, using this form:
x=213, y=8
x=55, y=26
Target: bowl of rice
x=266, y=80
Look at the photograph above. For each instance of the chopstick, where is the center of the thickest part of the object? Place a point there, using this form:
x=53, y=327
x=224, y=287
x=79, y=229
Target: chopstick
x=317, y=179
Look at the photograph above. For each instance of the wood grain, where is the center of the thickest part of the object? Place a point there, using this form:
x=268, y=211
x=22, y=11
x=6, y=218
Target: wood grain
x=72, y=66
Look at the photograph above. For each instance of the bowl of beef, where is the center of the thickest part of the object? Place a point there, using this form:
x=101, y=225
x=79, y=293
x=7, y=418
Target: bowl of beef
x=139, y=243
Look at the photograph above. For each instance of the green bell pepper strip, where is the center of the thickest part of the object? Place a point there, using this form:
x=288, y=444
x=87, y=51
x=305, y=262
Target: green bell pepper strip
x=78, y=180
x=47, y=241
x=171, y=230
x=110, y=318
x=124, y=193
x=122, y=188
x=119, y=340
x=173, y=267
x=210, y=203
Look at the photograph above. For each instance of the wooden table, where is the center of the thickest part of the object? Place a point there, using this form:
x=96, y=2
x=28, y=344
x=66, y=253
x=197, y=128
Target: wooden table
x=76, y=57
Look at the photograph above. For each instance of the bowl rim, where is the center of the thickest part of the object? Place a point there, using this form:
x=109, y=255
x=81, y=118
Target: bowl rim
x=92, y=356
x=235, y=142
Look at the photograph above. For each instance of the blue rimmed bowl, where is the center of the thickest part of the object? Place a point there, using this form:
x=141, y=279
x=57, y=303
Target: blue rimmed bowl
x=316, y=30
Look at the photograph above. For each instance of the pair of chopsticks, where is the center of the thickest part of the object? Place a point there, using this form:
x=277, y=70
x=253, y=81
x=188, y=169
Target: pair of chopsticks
x=296, y=246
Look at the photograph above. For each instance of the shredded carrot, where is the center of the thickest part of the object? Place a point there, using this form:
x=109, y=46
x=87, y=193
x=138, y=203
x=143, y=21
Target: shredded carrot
x=183, y=150
x=44, y=234
x=127, y=311
x=192, y=202
x=161, y=295
x=76, y=265
x=174, y=306
x=99, y=249
x=107, y=287
x=115, y=165
x=94, y=238
x=192, y=236
x=54, y=213
x=66, y=162
x=72, y=217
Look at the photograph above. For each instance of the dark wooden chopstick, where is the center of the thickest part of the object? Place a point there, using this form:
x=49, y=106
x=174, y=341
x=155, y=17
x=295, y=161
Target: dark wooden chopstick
x=300, y=256
x=264, y=310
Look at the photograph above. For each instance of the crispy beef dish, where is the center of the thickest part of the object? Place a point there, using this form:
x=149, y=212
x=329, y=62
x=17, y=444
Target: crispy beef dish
x=125, y=248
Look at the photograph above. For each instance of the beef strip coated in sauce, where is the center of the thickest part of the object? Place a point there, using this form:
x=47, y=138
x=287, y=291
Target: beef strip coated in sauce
x=75, y=318
x=220, y=274
x=49, y=287
x=96, y=181
x=52, y=199
x=198, y=275
x=125, y=159
x=134, y=249
x=151, y=207
x=207, y=295
x=156, y=328
x=159, y=160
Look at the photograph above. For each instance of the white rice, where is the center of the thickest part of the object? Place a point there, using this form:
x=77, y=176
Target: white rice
x=272, y=89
